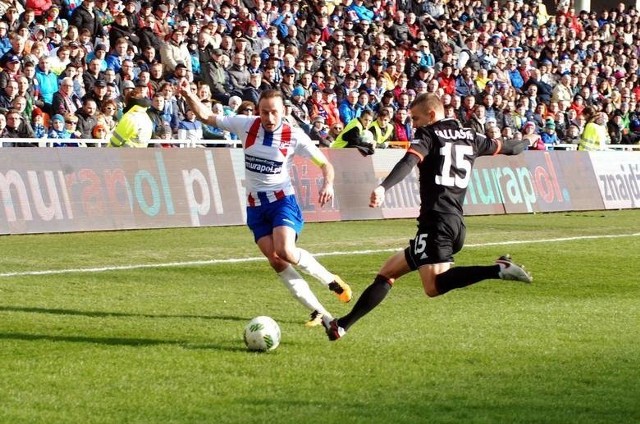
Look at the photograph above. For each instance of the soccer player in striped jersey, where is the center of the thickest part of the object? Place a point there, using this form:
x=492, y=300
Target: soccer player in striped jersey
x=273, y=214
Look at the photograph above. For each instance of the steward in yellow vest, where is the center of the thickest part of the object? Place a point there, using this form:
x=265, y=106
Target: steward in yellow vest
x=355, y=134
x=594, y=135
x=382, y=129
x=134, y=128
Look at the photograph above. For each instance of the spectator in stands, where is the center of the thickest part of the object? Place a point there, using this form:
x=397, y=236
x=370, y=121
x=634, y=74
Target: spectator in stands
x=57, y=130
x=71, y=126
x=402, y=130
x=99, y=93
x=8, y=94
x=349, y=108
x=530, y=134
x=18, y=44
x=107, y=114
x=174, y=51
x=190, y=129
x=238, y=75
x=5, y=42
x=549, y=136
x=84, y=17
x=156, y=114
x=10, y=71
x=47, y=83
x=87, y=117
x=17, y=127
x=118, y=55
x=65, y=100
x=37, y=123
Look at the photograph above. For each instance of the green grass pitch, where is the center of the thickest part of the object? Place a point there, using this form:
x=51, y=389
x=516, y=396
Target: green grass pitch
x=159, y=340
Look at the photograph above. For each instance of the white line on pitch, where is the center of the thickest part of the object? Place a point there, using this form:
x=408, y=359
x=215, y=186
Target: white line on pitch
x=260, y=258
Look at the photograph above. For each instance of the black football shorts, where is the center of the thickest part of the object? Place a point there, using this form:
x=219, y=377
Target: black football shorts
x=437, y=240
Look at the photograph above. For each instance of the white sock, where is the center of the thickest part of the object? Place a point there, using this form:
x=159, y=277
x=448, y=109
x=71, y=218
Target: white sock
x=301, y=291
x=311, y=266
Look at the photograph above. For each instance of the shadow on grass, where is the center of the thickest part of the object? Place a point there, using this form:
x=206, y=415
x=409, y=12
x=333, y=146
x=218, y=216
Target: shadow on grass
x=121, y=341
x=100, y=314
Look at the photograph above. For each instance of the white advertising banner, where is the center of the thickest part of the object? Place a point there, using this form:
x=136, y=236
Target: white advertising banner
x=618, y=177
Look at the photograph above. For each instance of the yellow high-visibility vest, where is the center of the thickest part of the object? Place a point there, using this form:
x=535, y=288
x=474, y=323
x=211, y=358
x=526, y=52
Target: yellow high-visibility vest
x=380, y=137
x=339, y=143
x=133, y=130
x=591, y=138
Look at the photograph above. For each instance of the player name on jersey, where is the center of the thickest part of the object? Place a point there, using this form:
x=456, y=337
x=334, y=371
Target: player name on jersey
x=450, y=134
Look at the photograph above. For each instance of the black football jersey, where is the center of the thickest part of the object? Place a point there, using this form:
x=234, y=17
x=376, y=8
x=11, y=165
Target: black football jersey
x=447, y=152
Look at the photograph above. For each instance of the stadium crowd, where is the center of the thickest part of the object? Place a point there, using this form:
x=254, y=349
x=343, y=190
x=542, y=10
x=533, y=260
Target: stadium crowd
x=346, y=67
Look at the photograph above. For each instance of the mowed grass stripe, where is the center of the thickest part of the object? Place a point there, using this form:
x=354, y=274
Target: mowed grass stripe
x=319, y=254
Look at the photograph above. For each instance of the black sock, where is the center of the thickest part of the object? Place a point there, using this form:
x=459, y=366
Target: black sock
x=463, y=276
x=370, y=298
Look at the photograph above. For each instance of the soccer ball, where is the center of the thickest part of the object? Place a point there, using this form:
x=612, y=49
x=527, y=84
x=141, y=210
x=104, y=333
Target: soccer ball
x=262, y=334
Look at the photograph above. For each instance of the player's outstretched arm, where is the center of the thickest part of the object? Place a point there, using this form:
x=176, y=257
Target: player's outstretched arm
x=397, y=174
x=203, y=113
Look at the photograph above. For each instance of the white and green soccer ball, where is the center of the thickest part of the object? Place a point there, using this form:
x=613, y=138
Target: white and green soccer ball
x=262, y=334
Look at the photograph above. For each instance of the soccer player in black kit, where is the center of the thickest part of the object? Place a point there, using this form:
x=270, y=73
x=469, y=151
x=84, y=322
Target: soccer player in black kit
x=444, y=152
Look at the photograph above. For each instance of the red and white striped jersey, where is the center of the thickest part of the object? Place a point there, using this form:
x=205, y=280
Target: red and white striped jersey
x=268, y=156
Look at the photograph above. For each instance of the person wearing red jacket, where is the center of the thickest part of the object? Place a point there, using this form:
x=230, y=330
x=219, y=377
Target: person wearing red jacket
x=38, y=6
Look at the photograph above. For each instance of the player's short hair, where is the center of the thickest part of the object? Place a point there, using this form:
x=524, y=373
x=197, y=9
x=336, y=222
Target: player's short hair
x=271, y=94
x=428, y=101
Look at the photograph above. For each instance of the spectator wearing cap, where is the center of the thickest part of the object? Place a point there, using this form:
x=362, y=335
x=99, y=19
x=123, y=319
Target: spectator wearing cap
x=84, y=16
x=100, y=53
x=174, y=51
x=288, y=82
x=549, y=136
x=18, y=44
x=65, y=100
x=160, y=25
x=10, y=71
x=178, y=73
x=98, y=93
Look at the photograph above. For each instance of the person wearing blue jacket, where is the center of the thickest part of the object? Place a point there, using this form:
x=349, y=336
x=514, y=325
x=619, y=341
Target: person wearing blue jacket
x=48, y=82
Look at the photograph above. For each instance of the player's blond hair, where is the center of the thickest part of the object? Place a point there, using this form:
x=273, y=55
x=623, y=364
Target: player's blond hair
x=428, y=101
